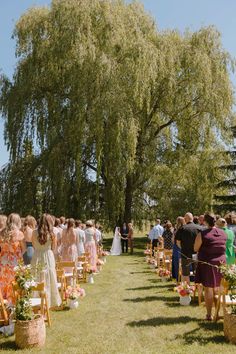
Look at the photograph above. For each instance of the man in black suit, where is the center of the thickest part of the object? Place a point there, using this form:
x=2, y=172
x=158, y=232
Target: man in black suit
x=124, y=237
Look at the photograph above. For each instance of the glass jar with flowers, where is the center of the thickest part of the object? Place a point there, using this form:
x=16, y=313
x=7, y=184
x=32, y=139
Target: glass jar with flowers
x=185, y=291
x=164, y=274
x=73, y=293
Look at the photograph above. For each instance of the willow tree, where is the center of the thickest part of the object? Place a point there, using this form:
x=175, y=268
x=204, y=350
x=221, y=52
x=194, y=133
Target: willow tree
x=103, y=95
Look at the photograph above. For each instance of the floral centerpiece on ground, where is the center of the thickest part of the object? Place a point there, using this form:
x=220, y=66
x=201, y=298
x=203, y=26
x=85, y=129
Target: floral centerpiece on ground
x=163, y=273
x=74, y=292
x=184, y=289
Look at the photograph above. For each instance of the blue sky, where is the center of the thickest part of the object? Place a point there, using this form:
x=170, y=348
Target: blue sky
x=177, y=14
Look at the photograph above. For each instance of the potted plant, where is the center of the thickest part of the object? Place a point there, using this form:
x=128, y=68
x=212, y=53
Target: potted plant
x=185, y=291
x=30, y=329
x=229, y=274
x=73, y=294
x=164, y=274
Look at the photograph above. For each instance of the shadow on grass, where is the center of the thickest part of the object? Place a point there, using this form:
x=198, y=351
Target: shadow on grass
x=143, y=288
x=144, y=272
x=8, y=345
x=151, y=298
x=158, y=321
x=204, y=334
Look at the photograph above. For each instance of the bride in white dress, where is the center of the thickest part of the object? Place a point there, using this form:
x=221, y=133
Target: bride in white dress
x=116, y=244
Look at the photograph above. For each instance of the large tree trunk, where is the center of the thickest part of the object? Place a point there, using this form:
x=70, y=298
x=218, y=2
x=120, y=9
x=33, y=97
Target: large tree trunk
x=128, y=198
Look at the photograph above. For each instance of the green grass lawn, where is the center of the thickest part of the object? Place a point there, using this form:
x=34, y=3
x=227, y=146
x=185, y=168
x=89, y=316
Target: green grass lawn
x=128, y=310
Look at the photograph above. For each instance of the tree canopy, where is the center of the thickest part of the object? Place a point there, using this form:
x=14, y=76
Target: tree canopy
x=108, y=103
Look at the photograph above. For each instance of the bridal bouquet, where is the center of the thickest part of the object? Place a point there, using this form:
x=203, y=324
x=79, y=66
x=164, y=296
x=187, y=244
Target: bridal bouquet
x=184, y=289
x=73, y=293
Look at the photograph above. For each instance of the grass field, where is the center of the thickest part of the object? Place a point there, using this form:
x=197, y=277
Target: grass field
x=128, y=310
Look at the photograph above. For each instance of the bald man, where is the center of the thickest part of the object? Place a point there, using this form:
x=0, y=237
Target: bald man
x=185, y=238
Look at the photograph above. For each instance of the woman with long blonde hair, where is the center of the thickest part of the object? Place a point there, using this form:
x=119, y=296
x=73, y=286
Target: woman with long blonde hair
x=44, y=242
x=11, y=249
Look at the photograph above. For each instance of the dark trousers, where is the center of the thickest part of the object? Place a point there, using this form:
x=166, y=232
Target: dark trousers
x=154, y=244
x=124, y=245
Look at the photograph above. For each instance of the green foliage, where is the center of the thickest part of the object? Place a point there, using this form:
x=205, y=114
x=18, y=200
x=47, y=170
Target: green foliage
x=105, y=99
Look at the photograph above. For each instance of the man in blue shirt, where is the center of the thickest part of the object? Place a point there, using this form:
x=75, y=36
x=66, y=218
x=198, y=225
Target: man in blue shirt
x=155, y=234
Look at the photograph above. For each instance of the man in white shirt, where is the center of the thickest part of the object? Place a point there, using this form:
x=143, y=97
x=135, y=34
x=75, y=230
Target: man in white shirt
x=155, y=234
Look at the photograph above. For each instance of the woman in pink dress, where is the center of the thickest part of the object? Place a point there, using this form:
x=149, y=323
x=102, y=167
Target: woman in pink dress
x=90, y=243
x=68, y=242
x=11, y=250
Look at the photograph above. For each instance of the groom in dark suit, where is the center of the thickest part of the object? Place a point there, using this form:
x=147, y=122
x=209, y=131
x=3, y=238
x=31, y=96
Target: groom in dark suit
x=124, y=237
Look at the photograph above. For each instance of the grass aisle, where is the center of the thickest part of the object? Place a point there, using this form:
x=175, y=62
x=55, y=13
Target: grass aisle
x=128, y=310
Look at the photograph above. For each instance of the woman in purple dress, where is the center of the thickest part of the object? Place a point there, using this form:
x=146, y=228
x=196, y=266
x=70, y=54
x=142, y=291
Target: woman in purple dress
x=210, y=245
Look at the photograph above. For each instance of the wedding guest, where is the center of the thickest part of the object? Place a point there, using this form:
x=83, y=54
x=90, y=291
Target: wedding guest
x=80, y=237
x=131, y=237
x=68, y=242
x=196, y=220
x=57, y=230
x=230, y=253
x=176, y=256
x=156, y=234
x=44, y=242
x=210, y=245
x=185, y=238
x=98, y=234
x=90, y=243
x=168, y=235
x=62, y=222
x=29, y=226
x=12, y=247
x=231, y=222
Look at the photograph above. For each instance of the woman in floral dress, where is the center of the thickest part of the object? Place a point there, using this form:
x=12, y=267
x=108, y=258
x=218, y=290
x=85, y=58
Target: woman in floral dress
x=11, y=250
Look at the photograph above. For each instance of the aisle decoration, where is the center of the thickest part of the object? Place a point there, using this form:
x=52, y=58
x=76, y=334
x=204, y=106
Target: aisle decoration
x=100, y=263
x=229, y=274
x=91, y=270
x=30, y=331
x=164, y=274
x=73, y=293
x=185, y=291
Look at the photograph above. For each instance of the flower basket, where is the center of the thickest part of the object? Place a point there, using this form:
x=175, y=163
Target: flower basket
x=30, y=334
x=73, y=303
x=230, y=327
x=185, y=300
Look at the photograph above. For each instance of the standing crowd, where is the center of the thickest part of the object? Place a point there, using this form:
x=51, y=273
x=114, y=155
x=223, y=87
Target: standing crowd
x=43, y=242
x=202, y=243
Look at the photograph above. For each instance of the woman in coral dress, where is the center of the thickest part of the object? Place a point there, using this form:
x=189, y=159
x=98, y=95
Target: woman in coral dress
x=11, y=249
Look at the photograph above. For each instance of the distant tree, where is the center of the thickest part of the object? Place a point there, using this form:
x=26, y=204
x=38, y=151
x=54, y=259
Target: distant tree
x=104, y=97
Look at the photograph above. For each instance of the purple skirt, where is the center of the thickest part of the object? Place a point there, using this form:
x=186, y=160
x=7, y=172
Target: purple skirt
x=207, y=275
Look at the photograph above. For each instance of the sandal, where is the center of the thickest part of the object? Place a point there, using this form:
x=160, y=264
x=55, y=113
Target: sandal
x=209, y=318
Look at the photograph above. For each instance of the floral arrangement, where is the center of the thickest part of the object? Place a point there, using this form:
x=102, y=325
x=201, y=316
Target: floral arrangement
x=25, y=276
x=184, y=289
x=73, y=293
x=229, y=274
x=163, y=272
x=100, y=262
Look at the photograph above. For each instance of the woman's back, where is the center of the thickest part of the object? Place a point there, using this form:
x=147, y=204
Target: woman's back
x=213, y=245
x=89, y=234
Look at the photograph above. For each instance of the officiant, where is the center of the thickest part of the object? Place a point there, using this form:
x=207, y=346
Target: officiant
x=124, y=237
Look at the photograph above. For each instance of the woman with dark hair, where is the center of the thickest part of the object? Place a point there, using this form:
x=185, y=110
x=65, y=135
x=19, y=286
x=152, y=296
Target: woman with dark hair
x=180, y=222
x=28, y=228
x=168, y=235
x=68, y=242
x=210, y=245
x=44, y=242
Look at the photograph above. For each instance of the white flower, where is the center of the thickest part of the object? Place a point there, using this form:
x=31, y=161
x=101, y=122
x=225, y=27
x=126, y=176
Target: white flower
x=16, y=269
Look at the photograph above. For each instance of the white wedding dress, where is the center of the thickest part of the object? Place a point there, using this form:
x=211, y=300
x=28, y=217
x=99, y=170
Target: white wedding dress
x=116, y=244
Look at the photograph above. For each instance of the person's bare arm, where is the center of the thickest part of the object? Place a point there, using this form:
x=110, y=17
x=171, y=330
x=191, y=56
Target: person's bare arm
x=198, y=242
